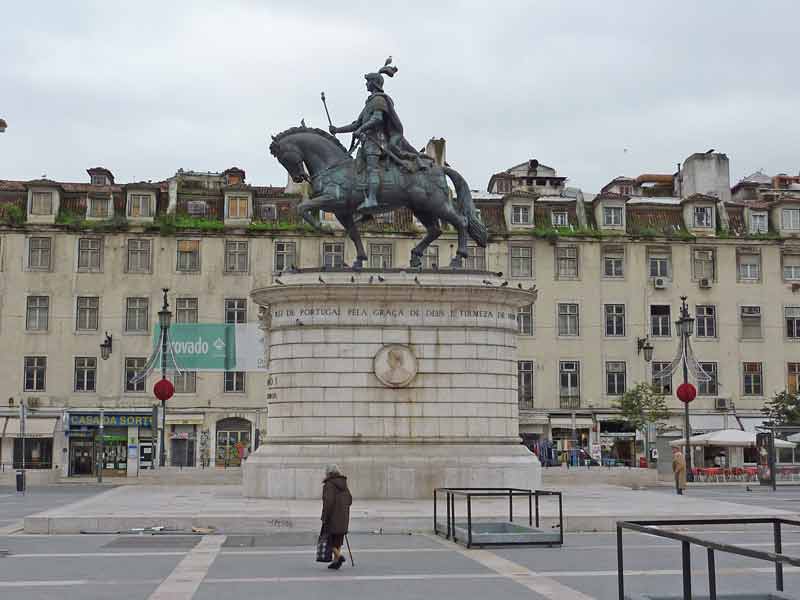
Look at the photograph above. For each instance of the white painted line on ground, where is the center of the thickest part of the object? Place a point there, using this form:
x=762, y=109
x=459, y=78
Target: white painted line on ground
x=310, y=551
x=227, y=552
x=334, y=578
x=728, y=571
x=94, y=554
x=15, y=527
x=536, y=582
x=184, y=580
x=74, y=582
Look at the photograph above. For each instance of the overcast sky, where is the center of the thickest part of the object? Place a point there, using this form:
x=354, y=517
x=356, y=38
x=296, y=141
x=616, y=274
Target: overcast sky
x=594, y=89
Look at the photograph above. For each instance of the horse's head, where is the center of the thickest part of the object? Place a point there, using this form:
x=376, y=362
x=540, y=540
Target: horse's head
x=301, y=148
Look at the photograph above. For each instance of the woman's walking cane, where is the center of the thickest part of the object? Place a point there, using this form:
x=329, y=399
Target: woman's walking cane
x=350, y=552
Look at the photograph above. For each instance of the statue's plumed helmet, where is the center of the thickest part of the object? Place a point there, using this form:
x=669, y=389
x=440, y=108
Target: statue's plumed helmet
x=377, y=78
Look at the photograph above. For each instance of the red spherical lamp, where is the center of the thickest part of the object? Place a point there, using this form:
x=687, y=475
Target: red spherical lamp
x=686, y=392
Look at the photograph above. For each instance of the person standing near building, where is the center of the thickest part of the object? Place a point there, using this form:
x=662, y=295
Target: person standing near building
x=679, y=470
x=336, y=501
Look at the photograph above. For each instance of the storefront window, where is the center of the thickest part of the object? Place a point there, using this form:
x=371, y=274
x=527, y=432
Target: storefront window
x=38, y=453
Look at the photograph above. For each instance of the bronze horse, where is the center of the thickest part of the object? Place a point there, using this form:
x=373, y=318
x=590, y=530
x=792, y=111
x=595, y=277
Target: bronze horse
x=314, y=155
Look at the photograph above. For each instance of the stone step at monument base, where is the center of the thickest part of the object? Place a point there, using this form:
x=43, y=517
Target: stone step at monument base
x=383, y=470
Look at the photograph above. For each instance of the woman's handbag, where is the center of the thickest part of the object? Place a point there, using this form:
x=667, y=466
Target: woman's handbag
x=324, y=550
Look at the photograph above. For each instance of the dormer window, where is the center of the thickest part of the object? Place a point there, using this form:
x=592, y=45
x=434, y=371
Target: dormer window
x=758, y=222
x=140, y=206
x=790, y=219
x=520, y=215
x=703, y=216
x=238, y=207
x=612, y=216
x=559, y=218
x=42, y=203
x=99, y=179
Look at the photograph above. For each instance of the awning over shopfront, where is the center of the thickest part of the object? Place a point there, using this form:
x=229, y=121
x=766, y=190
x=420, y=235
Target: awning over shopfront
x=185, y=419
x=703, y=423
x=728, y=437
x=566, y=422
x=750, y=423
x=34, y=427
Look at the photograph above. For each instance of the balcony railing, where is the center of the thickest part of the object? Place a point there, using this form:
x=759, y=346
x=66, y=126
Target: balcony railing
x=525, y=403
x=569, y=402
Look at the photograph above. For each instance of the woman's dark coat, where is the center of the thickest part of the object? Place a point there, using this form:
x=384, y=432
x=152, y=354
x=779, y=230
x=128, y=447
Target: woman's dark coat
x=336, y=501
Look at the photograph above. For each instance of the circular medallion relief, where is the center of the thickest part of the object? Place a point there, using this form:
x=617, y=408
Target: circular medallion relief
x=395, y=365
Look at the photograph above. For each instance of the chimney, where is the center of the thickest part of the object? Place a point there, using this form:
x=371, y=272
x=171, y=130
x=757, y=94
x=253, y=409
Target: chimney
x=436, y=148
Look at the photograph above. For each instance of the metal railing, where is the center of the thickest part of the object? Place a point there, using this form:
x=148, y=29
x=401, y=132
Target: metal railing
x=469, y=493
x=569, y=402
x=654, y=528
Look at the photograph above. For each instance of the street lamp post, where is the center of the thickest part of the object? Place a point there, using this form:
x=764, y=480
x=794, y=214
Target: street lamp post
x=164, y=320
x=685, y=327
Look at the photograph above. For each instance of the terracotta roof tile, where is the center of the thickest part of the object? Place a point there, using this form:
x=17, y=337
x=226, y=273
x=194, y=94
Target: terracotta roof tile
x=664, y=220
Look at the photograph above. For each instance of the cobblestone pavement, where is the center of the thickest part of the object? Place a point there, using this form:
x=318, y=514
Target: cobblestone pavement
x=390, y=567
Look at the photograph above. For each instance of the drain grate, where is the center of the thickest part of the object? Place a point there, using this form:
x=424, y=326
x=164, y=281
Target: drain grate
x=154, y=541
x=273, y=540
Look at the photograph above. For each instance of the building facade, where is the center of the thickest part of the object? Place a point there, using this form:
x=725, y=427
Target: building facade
x=79, y=260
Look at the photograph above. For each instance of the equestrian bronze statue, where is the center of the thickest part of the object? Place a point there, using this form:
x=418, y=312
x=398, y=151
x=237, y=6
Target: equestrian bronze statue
x=387, y=174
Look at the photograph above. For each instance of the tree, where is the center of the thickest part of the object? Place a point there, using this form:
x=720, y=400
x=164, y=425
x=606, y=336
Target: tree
x=783, y=408
x=644, y=406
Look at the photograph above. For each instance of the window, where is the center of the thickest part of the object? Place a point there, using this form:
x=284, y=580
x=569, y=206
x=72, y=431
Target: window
x=234, y=381
x=138, y=256
x=567, y=262
x=39, y=254
x=791, y=267
x=285, y=256
x=87, y=313
x=703, y=264
x=236, y=310
x=525, y=383
x=134, y=366
x=42, y=203
x=520, y=215
x=660, y=322
x=236, y=254
x=98, y=179
x=613, y=262
x=188, y=256
x=792, y=316
x=139, y=206
x=663, y=383
x=98, y=207
x=380, y=256
x=758, y=222
x=703, y=216
x=751, y=322
x=333, y=255
x=790, y=218
x=615, y=320
x=90, y=253
x=660, y=263
x=521, y=261
x=706, y=321
x=558, y=218
x=752, y=379
x=186, y=310
x=185, y=382
x=525, y=320
x=612, y=216
x=615, y=378
x=709, y=388
x=36, y=316
x=569, y=384
x=430, y=260
x=748, y=266
x=136, y=318
x=238, y=207
x=793, y=377
x=476, y=258
x=85, y=374
x=568, y=320
x=35, y=373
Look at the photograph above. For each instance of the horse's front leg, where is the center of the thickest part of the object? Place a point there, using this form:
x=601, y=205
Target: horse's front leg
x=309, y=210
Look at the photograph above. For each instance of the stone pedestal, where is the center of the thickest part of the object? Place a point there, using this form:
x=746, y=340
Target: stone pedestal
x=405, y=380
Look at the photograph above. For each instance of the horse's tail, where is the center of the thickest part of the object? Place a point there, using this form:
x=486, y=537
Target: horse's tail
x=476, y=229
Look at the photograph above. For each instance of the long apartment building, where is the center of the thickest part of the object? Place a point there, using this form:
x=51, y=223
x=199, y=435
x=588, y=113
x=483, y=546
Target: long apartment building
x=82, y=260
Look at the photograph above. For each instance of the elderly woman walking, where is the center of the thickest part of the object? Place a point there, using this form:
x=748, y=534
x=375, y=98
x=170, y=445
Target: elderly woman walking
x=336, y=501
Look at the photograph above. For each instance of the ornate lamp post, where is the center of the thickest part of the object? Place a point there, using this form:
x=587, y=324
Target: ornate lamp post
x=686, y=391
x=164, y=389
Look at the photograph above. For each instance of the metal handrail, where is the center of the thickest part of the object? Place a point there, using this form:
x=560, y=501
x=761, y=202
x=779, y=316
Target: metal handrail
x=649, y=528
x=489, y=492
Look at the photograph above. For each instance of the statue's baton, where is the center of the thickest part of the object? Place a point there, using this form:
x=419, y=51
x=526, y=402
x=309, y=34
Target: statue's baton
x=325, y=104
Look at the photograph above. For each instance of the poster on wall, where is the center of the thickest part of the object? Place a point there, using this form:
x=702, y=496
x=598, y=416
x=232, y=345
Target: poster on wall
x=766, y=458
x=596, y=452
